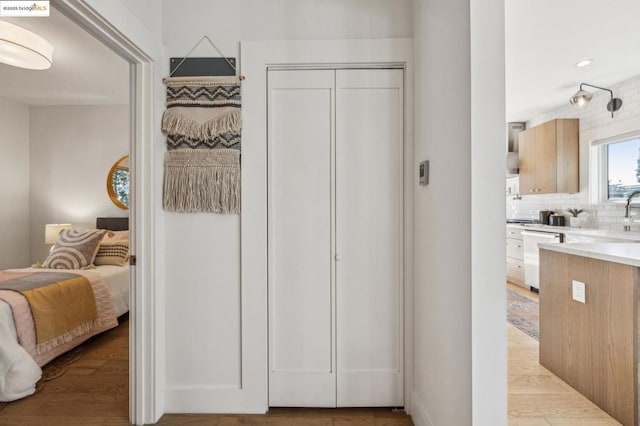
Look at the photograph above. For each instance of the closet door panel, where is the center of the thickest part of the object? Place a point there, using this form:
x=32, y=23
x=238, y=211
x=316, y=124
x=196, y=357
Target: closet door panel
x=301, y=297
x=369, y=200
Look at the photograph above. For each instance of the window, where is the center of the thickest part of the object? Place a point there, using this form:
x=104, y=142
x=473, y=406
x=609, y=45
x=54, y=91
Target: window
x=615, y=168
x=623, y=168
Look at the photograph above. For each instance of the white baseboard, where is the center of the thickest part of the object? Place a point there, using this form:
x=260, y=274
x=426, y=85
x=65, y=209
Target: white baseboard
x=419, y=413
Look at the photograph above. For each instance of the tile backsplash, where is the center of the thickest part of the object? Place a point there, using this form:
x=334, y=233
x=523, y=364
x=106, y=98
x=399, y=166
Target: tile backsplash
x=605, y=216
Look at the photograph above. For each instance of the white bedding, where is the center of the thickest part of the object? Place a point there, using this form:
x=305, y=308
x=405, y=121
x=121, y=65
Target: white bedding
x=18, y=370
x=117, y=279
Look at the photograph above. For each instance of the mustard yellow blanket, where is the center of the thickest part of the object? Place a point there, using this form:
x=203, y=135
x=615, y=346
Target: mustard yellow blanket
x=63, y=305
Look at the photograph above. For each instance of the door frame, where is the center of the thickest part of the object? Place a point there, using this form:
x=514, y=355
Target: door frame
x=145, y=402
x=256, y=58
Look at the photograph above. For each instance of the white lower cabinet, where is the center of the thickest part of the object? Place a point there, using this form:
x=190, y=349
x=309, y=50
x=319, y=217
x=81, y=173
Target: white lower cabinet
x=515, y=271
x=515, y=256
x=335, y=219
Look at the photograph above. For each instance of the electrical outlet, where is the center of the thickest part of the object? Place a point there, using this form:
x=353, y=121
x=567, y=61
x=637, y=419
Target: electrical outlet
x=579, y=291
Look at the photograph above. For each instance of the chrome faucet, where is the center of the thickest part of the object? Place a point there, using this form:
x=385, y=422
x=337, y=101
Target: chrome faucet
x=627, y=209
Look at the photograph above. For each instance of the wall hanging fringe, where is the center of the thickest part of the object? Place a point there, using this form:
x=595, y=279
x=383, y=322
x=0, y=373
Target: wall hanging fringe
x=202, y=180
x=203, y=123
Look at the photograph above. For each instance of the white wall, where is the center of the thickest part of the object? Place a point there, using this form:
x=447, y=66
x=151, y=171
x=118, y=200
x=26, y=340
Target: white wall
x=14, y=185
x=147, y=12
x=203, y=250
x=595, y=123
x=488, y=274
x=138, y=20
x=442, y=294
x=72, y=151
x=459, y=228
x=226, y=22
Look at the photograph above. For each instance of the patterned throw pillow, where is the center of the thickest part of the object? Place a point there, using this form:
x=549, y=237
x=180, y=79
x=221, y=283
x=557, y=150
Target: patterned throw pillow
x=74, y=249
x=112, y=253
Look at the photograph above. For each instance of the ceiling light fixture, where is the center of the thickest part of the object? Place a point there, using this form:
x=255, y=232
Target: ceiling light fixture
x=582, y=98
x=584, y=63
x=22, y=48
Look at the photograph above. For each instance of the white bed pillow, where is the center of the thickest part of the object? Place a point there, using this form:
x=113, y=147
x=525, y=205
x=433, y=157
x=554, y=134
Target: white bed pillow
x=112, y=236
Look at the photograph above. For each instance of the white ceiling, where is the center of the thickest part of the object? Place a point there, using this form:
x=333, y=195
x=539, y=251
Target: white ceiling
x=544, y=41
x=546, y=38
x=84, y=71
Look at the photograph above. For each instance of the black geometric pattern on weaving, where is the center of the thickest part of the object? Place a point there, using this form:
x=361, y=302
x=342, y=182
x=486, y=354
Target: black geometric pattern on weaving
x=225, y=140
x=206, y=94
x=201, y=104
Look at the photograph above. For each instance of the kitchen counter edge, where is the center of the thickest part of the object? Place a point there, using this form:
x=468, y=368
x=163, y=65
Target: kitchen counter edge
x=624, y=253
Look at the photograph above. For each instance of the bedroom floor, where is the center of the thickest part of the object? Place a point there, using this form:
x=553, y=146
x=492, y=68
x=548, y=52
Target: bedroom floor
x=93, y=391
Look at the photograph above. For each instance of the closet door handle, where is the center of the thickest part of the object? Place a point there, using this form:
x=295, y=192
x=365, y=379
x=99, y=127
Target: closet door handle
x=337, y=257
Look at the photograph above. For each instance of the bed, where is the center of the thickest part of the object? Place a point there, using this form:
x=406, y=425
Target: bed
x=36, y=327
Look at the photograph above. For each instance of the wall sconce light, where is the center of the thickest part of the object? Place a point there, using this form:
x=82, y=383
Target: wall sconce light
x=582, y=98
x=51, y=231
x=22, y=48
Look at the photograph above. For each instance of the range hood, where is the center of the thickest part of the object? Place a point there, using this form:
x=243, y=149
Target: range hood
x=513, y=129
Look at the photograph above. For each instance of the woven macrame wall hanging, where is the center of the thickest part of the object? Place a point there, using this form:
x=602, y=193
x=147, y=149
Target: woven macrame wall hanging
x=203, y=127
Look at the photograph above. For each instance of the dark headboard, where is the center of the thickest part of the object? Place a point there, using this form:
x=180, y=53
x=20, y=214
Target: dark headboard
x=113, y=223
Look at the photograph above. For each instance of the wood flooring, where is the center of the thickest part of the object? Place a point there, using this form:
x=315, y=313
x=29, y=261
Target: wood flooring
x=297, y=417
x=95, y=392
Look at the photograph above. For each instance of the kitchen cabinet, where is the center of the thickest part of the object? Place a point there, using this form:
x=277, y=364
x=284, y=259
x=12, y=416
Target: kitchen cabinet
x=515, y=256
x=548, y=157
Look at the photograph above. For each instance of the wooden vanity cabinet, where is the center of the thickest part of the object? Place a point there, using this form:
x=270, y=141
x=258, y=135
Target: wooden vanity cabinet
x=548, y=157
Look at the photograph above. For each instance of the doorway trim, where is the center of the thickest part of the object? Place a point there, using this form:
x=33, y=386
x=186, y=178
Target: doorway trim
x=256, y=58
x=145, y=404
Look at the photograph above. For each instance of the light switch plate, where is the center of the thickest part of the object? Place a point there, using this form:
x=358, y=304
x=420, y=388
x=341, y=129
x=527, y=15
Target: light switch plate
x=579, y=291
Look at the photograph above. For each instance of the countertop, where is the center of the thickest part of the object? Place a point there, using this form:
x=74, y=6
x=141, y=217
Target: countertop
x=625, y=253
x=567, y=230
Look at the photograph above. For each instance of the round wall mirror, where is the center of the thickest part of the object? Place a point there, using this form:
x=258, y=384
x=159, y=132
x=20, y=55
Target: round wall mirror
x=118, y=183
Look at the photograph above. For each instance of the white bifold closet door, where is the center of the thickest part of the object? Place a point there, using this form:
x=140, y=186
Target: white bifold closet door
x=335, y=200
x=302, y=361
x=369, y=298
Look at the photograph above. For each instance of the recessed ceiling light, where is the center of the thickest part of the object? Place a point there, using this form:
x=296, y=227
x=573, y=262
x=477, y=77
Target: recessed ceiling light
x=584, y=63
